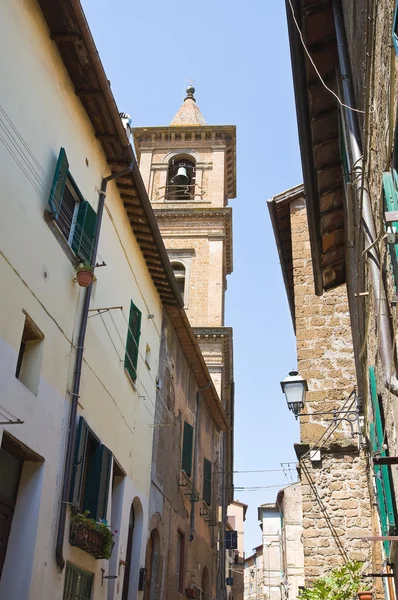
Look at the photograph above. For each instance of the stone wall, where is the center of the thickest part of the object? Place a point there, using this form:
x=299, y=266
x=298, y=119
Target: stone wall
x=336, y=505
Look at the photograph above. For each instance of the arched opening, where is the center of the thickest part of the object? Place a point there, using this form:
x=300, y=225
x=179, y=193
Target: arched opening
x=181, y=179
x=129, y=552
x=153, y=566
x=179, y=274
x=205, y=584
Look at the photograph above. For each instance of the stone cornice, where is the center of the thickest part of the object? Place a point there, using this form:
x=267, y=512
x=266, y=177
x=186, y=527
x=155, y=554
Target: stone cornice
x=183, y=214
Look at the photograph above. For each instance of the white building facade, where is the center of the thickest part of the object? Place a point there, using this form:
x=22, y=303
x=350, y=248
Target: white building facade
x=61, y=136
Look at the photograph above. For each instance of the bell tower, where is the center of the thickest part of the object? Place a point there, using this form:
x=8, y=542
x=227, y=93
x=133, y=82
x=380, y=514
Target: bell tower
x=189, y=170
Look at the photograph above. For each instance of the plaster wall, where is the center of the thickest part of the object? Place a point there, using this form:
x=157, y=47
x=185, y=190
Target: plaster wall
x=39, y=279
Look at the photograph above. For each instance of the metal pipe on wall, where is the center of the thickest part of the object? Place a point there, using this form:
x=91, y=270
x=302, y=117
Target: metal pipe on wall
x=70, y=444
x=361, y=188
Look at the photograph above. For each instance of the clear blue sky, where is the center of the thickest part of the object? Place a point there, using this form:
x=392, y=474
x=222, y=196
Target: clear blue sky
x=237, y=53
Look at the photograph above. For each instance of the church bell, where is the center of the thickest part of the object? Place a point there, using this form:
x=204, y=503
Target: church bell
x=181, y=178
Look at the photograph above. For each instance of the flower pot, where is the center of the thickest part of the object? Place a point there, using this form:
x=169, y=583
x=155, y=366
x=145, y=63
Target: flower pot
x=365, y=595
x=84, y=277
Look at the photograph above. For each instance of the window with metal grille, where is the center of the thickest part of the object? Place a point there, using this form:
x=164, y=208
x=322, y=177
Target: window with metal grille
x=76, y=218
x=78, y=583
x=133, y=341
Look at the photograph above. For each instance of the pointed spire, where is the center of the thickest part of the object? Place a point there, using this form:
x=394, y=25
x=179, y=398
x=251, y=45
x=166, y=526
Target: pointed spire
x=189, y=113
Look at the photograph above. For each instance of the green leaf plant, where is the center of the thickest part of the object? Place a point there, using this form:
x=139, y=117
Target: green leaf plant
x=82, y=520
x=342, y=583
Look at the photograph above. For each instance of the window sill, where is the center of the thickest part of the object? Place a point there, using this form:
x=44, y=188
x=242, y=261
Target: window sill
x=52, y=223
x=131, y=380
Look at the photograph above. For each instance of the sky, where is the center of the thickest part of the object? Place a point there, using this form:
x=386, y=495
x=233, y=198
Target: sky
x=237, y=54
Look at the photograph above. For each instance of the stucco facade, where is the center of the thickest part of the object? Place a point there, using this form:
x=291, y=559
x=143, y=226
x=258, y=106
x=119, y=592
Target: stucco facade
x=41, y=315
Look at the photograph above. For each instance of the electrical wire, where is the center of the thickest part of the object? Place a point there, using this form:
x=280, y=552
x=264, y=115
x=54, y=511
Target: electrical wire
x=313, y=64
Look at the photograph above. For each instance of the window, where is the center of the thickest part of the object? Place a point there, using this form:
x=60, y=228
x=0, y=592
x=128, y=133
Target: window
x=391, y=204
x=30, y=356
x=133, y=342
x=179, y=274
x=92, y=469
x=181, y=179
x=384, y=493
x=187, y=447
x=231, y=540
x=180, y=562
x=148, y=356
x=207, y=481
x=76, y=218
x=78, y=583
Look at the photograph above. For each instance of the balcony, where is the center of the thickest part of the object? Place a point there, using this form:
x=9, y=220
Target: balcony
x=187, y=488
x=208, y=514
x=90, y=539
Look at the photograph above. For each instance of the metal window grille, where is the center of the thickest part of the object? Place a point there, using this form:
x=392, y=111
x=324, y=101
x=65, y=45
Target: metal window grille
x=78, y=584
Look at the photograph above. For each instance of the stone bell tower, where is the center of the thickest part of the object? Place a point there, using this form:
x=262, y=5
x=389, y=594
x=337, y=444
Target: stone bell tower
x=189, y=170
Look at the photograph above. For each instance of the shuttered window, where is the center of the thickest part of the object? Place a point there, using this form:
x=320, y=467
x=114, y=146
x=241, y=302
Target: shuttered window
x=384, y=495
x=395, y=28
x=207, y=481
x=391, y=203
x=91, y=473
x=133, y=342
x=187, y=447
x=75, y=217
x=78, y=583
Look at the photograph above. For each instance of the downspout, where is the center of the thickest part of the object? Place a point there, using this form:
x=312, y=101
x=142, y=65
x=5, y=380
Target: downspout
x=70, y=444
x=361, y=189
x=195, y=456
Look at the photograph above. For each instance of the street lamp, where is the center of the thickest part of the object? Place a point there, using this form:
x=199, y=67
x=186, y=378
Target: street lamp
x=294, y=388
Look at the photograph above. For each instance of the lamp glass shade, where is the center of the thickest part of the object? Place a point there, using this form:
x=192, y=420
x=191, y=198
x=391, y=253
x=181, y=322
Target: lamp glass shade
x=294, y=388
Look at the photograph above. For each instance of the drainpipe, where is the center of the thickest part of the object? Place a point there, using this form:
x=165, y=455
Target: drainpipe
x=70, y=444
x=361, y=190
x=195, y=455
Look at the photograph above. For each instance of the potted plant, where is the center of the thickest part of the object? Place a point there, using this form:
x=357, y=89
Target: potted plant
x=94, y=537
x=84, y=274
x=342, y=583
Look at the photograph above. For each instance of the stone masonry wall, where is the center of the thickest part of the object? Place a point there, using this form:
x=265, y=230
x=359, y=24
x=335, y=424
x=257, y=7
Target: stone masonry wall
x=336, y=505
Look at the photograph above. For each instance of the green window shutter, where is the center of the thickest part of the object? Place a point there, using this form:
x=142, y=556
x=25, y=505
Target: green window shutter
x=382, y=473
x=395, y=28
x=58, y=184
x=84, y=235
x=391, y=203
x=187, y=447
x=76, y=492
x=104, y=475
x=78, y=583
x=207, y=481
x=133, y=342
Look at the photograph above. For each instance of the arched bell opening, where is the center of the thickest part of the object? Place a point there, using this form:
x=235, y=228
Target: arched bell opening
x=181, y=179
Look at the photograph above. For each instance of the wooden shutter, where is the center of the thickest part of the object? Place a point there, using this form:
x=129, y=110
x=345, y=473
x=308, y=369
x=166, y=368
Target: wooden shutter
x=395, y=28
x=391, y=203
x=76, y=495
x=133, y=342
x=104, y=475
x=207, y=481
x=84, y=235
x=58, y=184
x=382, y=473
x=187, y=447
